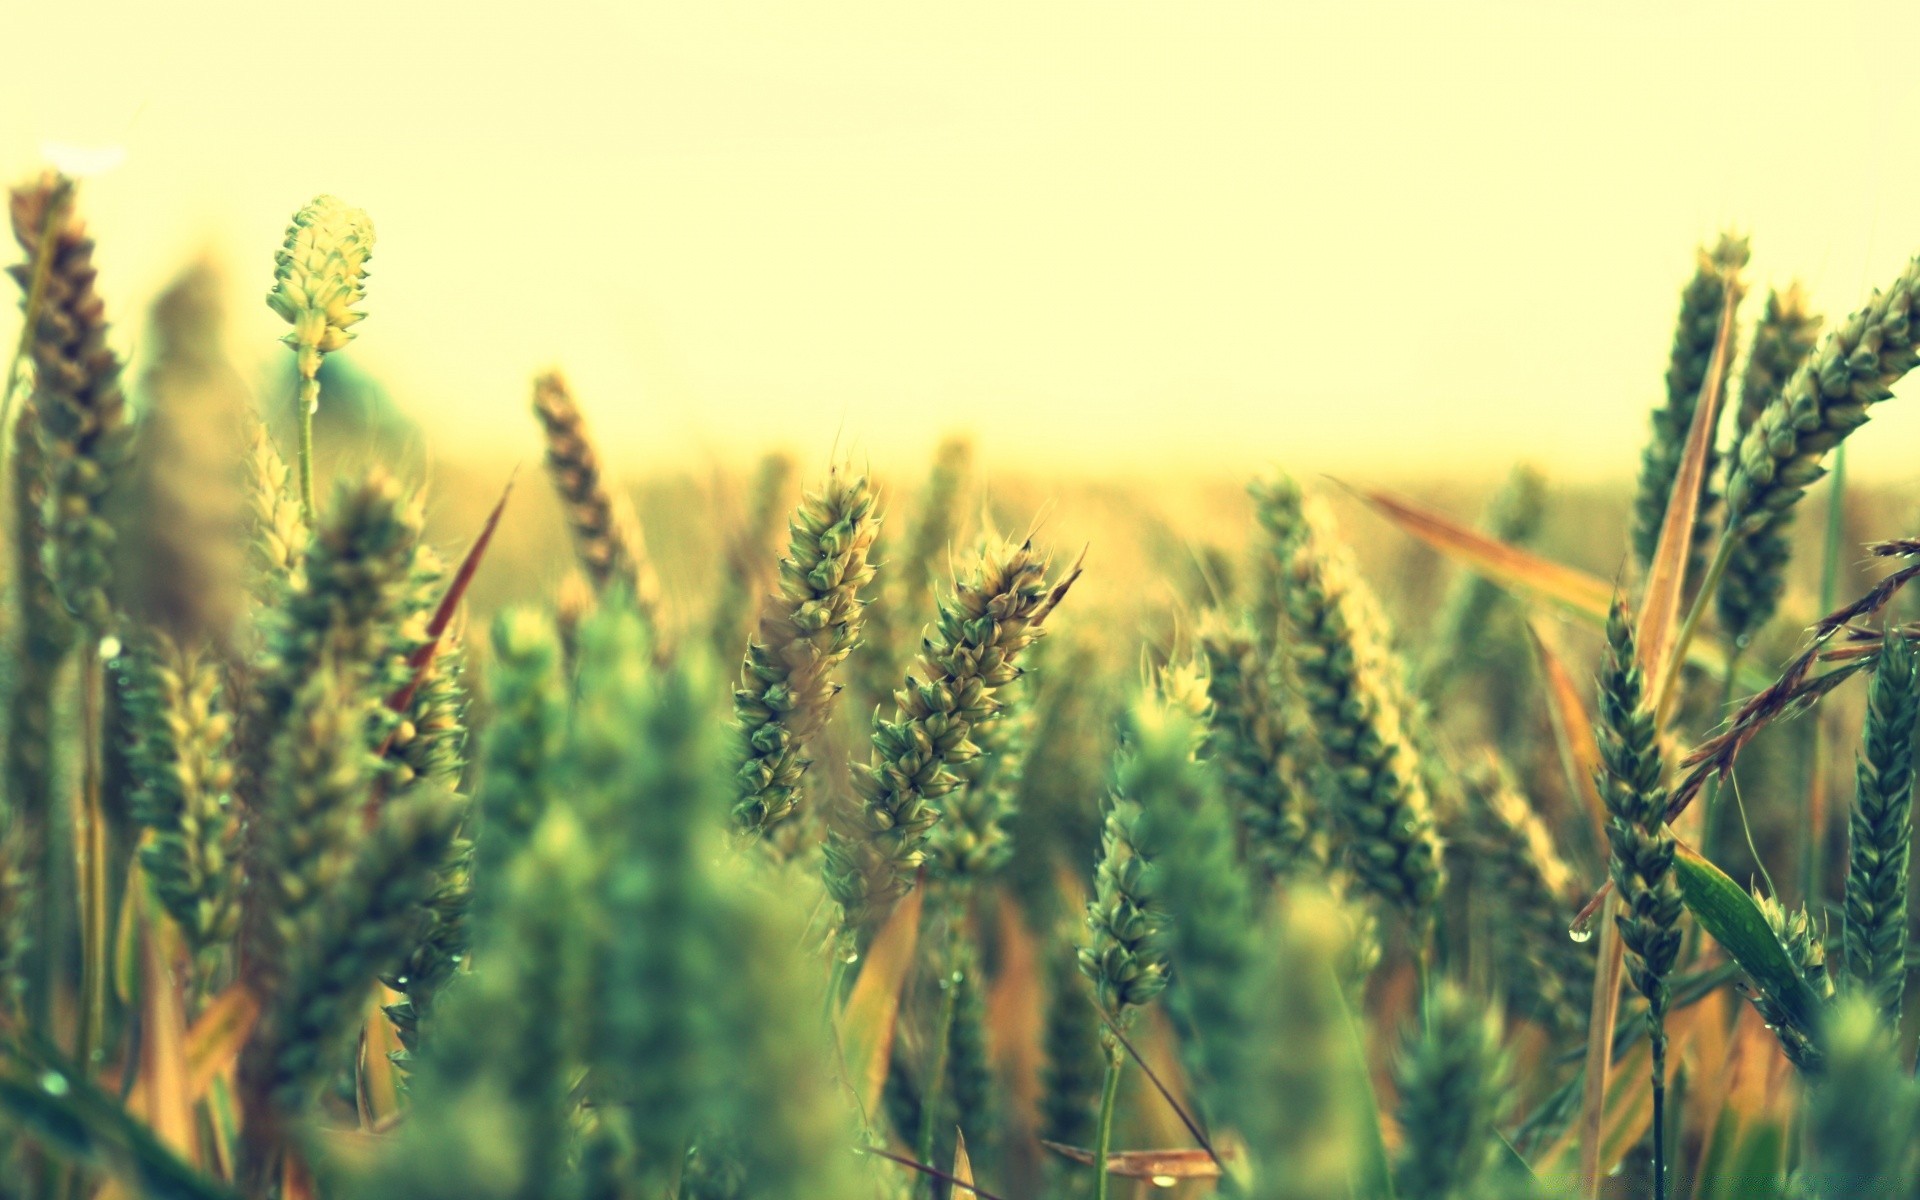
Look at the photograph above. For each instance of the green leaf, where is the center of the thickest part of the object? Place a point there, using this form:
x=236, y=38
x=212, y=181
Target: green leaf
x=1725, y=910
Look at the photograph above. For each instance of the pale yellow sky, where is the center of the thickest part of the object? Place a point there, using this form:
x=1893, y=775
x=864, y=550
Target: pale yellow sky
x=1367, y=238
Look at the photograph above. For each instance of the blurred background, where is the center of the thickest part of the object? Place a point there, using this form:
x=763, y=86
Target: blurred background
x=1400, y=239
x=1109, y=245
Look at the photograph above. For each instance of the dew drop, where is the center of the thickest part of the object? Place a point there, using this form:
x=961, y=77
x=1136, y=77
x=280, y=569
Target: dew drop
x=1581, y=931
x=401, y=981
x=851, y=956
x=109, y=648
x=1164, y=1181
x=53, y=1083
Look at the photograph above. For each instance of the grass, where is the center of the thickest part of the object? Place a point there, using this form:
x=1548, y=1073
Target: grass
x=1252, y=878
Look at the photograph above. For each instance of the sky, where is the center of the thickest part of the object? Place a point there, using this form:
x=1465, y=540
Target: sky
x=1373, y=239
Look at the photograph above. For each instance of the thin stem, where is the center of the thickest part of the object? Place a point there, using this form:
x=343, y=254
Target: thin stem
x=1193, y=1127
x=1709, y=807
x=90, y=848
x=943, y=1043
x=933, y=1173
x=1659, y=1047
x=1813, y=798
x=309, y=401
x=1103, y=1137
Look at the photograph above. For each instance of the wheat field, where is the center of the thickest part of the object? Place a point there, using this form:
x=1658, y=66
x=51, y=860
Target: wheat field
x=379, y=825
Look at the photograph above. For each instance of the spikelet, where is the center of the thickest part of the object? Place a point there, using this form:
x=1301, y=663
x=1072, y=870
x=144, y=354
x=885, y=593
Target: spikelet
x=83, y=412
x=1461, y=629
x=1805, y=944
x=307, y=820
x=1693, y=341
x=184, y=783
x=905, y=601
x=993, y=615
x=1209, y=897
x=319, y=275
x=1856, y=366
x=1452, y=1081
x=972, y=841
x=428, y=744
x=1255, y=745
x=357, y=608
x=42, y=635
x=1125, y=953
x=1512, y=852
x=1756, y=572
x=1880, y=831
x=750, y=554
x=1643, y=847
x=1353, y=696
x=279, y=531
x=606, y=534
x=787, y=683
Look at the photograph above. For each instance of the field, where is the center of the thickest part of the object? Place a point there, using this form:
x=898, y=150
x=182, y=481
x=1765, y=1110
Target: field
x=378, y=825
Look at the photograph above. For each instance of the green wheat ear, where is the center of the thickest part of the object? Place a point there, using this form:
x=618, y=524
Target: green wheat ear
x=318, y=276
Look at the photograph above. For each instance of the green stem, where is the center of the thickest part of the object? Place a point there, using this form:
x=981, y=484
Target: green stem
x=1813, y=808
x=1659, y=1048
x=309, y=401
x=943, y=1041
x=1103, y=1138
x=90, y=847
x=1711, y=794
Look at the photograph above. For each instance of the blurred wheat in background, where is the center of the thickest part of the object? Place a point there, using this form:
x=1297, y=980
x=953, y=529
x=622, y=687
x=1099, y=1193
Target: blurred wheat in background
x=822, y=822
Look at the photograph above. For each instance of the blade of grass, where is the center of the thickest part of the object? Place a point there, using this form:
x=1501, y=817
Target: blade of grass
x=873, y=1007
x=1573, y=591
x=1661, y=647
x=1573, y=734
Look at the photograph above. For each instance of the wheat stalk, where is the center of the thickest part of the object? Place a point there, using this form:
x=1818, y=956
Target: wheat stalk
x=1353, y=695
x=973, y=652
x=319, y=275
x=1828, y=397
x=1452, y=1079
x=606, y=534
x=1880, y=831
x=1756, y=571
x=787, y=682
x=1701, y=304
x=1643, y=847
x=1513, y=854
x=1255, y=741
